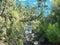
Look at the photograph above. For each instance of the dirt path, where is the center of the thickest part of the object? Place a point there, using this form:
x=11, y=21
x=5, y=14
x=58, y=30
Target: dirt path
x=1, y=43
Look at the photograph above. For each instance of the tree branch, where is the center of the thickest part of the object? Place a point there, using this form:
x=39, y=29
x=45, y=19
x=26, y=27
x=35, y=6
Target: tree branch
x=3, y=9
x=31, y=18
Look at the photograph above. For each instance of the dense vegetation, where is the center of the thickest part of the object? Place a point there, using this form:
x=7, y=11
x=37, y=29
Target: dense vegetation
x=13, y=20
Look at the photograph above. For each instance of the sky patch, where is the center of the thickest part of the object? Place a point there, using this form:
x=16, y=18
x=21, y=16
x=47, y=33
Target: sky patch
x=34, y=3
